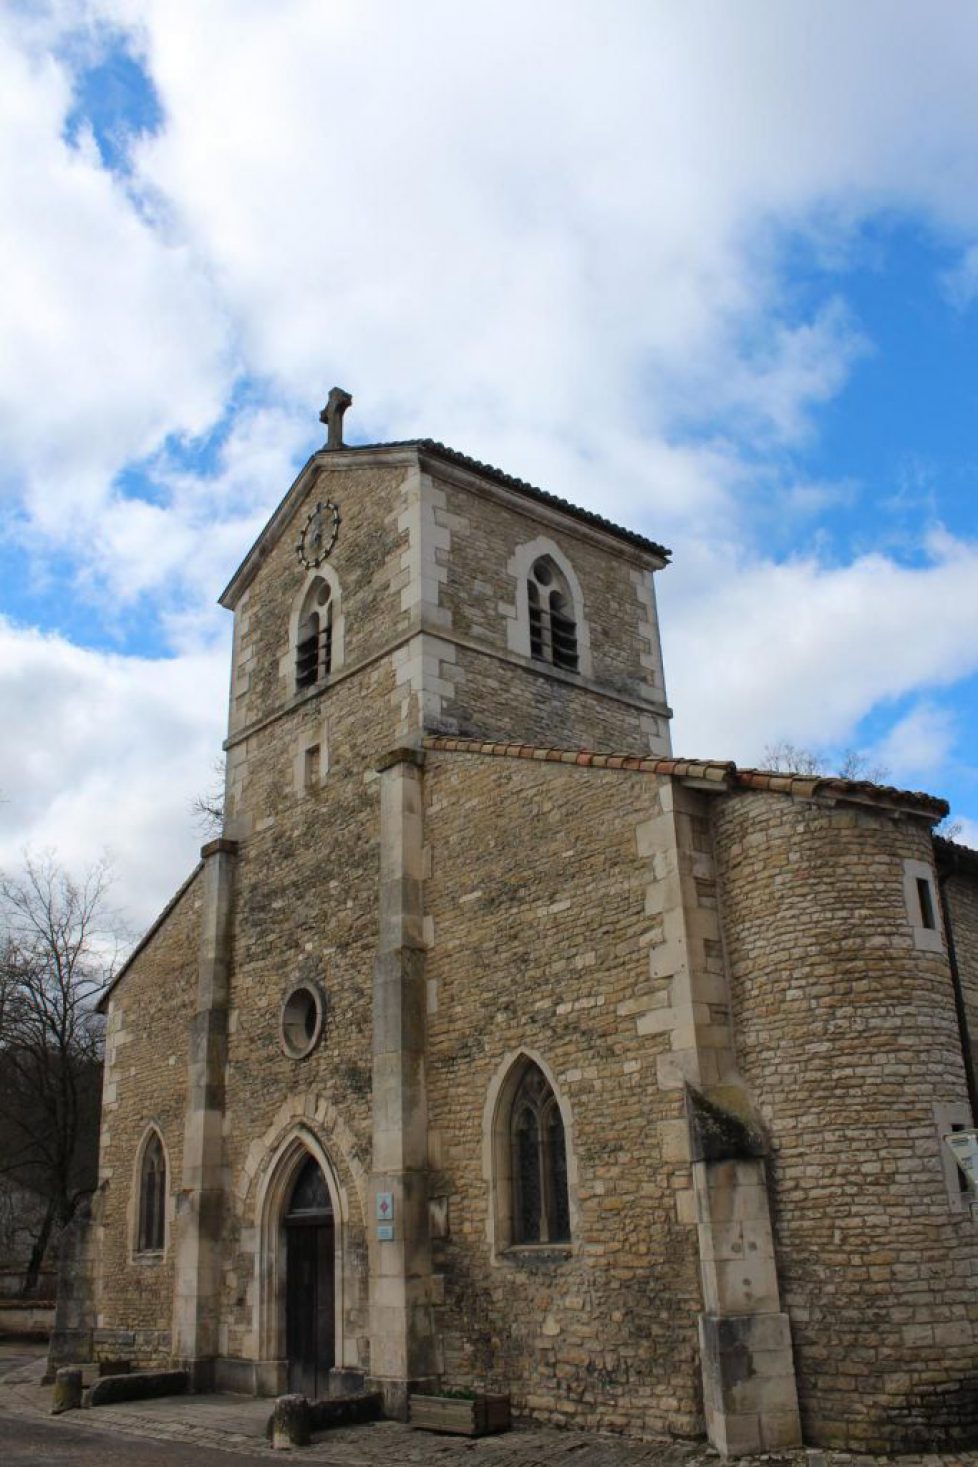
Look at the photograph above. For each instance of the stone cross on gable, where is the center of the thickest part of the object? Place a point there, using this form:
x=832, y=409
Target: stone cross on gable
x=332, y=415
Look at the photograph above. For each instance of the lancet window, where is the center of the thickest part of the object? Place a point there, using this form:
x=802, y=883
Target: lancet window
x=540, y=1210
x=151, y=1234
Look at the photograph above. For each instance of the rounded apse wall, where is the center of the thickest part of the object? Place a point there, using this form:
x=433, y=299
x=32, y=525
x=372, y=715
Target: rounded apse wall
x=847, y=1037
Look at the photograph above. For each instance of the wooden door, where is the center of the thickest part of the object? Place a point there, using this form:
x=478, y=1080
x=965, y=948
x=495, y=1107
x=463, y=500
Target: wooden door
x=309, y=1322
x=309, y=1270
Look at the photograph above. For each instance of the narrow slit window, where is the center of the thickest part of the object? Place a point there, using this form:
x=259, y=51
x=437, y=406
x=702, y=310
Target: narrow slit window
x=925, y=899
x=312, y=767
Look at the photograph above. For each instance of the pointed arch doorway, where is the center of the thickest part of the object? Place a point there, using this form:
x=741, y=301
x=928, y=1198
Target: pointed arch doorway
x=310, y=1268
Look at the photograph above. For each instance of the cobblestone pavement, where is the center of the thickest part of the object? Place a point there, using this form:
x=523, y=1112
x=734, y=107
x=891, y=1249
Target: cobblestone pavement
x=200, y=1427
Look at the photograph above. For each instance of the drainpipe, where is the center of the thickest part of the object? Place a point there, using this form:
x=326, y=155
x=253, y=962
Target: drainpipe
x=959, y=1008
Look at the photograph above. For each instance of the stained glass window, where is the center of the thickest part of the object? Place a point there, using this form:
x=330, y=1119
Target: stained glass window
x=541, y=1213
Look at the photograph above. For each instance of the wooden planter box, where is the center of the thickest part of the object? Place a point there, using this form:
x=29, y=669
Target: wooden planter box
x=476, y=1417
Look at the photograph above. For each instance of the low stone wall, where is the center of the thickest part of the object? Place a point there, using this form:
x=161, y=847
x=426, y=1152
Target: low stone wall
x=12, y=1283
x=139, y=1386
x=26, y=1317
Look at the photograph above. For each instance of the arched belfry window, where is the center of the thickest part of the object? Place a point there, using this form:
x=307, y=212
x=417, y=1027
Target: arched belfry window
x=151, y=1232
x=553, y=630
x=540, y=1209
x=314, y=636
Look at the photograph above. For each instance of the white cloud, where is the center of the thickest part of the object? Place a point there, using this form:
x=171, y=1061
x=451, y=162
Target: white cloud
x=551, y=238
x=967, y=835
x=561, y=205
x=105, y=753
x=112, y=334
x=757, y=651
x=918, y=744
x=182, y=546
x=567, y=239
x=961, y=283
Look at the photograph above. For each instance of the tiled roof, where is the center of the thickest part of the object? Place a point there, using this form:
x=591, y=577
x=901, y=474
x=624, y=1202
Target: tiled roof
x=509, y=481
x=721, y=773
x=954, y=859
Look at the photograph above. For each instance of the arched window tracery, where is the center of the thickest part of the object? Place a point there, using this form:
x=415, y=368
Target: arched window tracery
x=553, y=629
x=540, y=1211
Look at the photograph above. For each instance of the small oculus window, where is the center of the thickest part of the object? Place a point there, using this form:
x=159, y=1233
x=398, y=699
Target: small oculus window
x=301, y=1025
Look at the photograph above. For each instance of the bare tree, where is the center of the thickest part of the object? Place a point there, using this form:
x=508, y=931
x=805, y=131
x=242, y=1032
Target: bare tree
x=788, y=758
x=58, y=951
x=785, y=758
x=207, y=809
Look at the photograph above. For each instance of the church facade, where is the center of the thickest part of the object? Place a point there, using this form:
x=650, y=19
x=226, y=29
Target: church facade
x=492, y=1046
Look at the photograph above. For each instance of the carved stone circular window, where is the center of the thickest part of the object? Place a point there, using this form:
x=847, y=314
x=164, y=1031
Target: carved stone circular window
x=301, y=1024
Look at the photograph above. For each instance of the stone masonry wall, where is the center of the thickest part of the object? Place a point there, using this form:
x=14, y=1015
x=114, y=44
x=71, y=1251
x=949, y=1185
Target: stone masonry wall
x=304, y=810
x=492, y=691
x=539, y=939
x=305, y=908
x=368, y=561
x=544, y=709
x=847, y=1035
x=144, y=1084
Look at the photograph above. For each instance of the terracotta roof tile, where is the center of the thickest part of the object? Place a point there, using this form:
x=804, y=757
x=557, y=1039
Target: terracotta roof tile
x=716, y=771
x=954, y=859
x=509, y=481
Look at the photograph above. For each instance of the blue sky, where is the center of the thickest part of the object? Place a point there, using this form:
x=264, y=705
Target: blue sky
x=712, y=271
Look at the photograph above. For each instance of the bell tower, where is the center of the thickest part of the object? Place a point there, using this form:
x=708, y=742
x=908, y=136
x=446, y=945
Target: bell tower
x=403, y=588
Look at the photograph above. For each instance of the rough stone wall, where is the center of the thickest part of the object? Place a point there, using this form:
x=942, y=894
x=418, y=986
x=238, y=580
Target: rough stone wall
x=305, y=900
x=542, y=708
x=306, y=877
x=492, y=692
x=961, y=892
x=847, y=1035
x=540, y=937
x=144, y=1083
x=367, y=559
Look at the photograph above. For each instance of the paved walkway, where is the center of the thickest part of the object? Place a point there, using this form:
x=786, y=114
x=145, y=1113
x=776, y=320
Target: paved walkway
x=236, y=1425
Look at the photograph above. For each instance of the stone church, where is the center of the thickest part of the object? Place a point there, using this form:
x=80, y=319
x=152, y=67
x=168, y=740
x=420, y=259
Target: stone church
x=492, y=1046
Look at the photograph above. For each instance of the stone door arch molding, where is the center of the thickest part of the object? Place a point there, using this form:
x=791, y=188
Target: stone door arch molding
x=284, y=1165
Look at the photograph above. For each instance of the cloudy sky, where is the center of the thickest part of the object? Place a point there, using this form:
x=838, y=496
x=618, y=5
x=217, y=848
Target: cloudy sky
x=710, y=269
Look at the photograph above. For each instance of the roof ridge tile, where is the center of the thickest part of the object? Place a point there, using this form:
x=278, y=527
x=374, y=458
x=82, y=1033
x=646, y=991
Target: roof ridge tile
x=721, y=772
